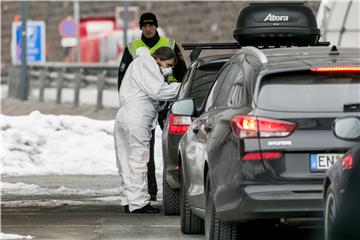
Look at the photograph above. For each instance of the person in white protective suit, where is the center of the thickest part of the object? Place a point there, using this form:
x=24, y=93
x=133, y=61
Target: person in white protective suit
x=141, y=89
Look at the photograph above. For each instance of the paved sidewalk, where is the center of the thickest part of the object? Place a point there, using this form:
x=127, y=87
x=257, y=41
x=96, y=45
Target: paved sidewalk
x=15, y=107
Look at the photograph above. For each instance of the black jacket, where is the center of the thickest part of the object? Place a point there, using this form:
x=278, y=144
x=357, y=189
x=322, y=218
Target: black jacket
x=179, y=68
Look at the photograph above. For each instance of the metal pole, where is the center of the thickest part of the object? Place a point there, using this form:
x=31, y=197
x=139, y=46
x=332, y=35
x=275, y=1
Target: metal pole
x=343, y=29
x=24, y=84
x=77, y=20
x=324, y=20
x=126, y=20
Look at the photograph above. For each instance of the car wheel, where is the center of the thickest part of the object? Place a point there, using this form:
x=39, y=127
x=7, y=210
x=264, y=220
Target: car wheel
x=170, y=199
x=330, y=212
x=215, y=229
x=189, y=222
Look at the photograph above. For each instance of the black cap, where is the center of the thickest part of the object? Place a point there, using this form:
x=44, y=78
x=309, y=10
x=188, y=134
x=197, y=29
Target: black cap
x=148, y=18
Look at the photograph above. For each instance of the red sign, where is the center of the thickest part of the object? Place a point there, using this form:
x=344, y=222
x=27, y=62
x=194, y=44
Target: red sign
x=68, y=28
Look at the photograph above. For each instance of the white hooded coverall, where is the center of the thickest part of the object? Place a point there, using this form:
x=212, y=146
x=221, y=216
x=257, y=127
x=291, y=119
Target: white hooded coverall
x=142, y=87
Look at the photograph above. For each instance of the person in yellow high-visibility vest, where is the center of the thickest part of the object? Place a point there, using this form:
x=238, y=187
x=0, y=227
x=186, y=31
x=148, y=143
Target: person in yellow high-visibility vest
x=150, y=39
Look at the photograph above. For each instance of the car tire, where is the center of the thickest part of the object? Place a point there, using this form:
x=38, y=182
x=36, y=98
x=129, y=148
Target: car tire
x=330, y=212
x=189, y=222
x=170, y=199
x=215, y=229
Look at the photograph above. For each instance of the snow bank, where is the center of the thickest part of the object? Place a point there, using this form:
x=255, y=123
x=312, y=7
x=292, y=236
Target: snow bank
x=5, y=236
x=39, y=144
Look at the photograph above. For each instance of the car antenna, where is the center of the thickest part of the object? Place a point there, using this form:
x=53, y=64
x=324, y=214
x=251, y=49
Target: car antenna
x=334, y=51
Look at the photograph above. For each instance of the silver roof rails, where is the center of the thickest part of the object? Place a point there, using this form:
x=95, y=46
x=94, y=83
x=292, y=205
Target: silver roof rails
x=255, y=52
x=198, y=47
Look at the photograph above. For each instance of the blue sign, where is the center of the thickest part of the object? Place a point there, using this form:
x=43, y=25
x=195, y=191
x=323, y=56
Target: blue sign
x=68, y=28
x=35, y=42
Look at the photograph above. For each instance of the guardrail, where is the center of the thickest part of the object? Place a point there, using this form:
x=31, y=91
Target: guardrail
x=65, y=75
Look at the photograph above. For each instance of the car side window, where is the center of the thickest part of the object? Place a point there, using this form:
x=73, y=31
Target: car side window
x=201, y=84
x=210, y=100
x=186, y=83
x=226, y=86
x=238, y=95
x=251, y=66
x=244, y=83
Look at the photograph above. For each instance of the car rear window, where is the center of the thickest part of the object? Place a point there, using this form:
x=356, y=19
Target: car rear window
x=309, y=92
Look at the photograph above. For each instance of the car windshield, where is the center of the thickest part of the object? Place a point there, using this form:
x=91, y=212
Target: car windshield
x=309, y=92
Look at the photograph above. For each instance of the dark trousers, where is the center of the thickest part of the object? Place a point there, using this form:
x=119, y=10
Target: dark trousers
x=152, y=186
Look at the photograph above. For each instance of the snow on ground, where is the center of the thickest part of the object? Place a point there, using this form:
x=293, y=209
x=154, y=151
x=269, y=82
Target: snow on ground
x=5, y=236
x=33, y=190
x=40, y=144
x=102, y=201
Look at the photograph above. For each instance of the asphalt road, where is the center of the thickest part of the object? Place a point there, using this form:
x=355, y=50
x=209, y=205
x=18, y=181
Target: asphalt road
x=110, y=222
x=99, y=216
x=82, y=215
x=89, y=222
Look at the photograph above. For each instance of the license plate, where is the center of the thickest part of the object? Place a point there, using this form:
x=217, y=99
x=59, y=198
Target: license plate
x=323, y=161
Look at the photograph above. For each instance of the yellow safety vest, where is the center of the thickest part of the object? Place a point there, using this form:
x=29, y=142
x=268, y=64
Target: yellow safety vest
x=163, y=42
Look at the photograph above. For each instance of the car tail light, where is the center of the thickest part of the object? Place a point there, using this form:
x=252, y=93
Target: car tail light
x=262, y=155
x=178, y=124
x=252, y=127
x=337, y=69
x=346, y=162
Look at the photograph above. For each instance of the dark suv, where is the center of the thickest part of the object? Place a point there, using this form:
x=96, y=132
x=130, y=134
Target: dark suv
x=196, y=84
x=262, y=142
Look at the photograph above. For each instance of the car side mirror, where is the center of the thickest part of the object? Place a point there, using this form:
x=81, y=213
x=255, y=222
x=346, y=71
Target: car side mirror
x=347, y=128
x=185, y=107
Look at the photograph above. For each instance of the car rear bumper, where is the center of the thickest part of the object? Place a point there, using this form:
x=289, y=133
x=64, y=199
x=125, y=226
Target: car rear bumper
x=269, y=201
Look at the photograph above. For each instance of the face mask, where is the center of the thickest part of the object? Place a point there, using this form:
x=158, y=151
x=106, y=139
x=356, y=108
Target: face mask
x=166, y=71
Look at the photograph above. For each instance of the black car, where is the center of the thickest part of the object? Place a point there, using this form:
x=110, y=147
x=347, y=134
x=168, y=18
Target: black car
x=196, y=84
x=260, y=146
x=342, y=186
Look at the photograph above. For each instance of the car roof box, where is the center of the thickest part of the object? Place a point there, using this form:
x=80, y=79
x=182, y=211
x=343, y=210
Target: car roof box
x=277, y=24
